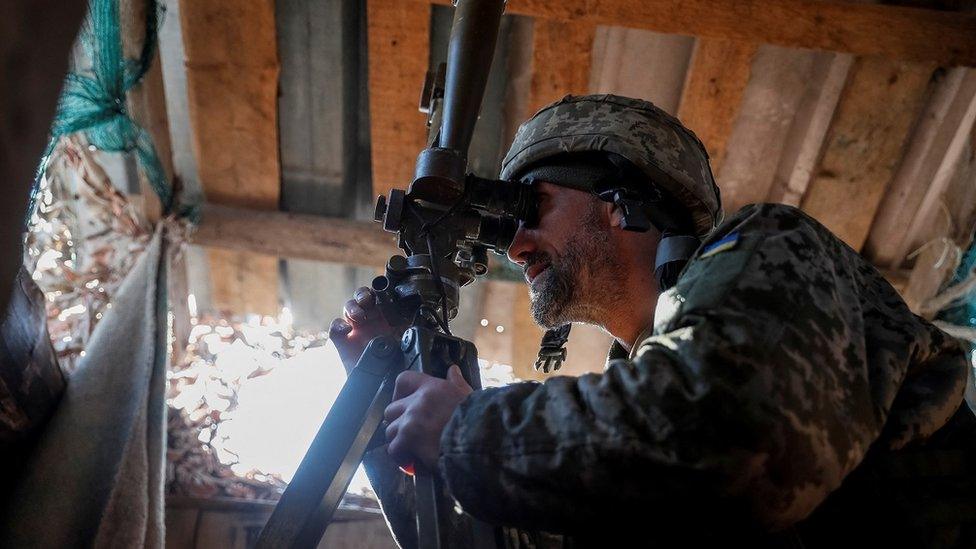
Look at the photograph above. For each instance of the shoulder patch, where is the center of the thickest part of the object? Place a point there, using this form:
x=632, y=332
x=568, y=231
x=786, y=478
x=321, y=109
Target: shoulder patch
x=728, y=242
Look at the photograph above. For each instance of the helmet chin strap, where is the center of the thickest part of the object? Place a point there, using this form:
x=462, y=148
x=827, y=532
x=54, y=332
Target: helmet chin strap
x=673, y=252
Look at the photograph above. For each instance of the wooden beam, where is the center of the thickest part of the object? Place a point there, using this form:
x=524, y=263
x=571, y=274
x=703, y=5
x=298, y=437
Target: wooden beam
x=865, y=143
x=922, y=178
x=296, y=236
x=808, y=134
x=398, y=38
x=35, y=43
x=913, y=34
x=562, y=53
x=364, y=243
x=716, y=82
x=232, y=84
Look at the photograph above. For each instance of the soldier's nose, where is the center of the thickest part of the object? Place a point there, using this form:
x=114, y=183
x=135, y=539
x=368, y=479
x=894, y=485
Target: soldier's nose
x=522, y=246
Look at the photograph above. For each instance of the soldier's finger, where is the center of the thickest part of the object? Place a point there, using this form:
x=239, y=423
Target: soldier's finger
x=398, y=451
x=455, y=376
x=407, y=383
x=354, y=312
x=364, y=297
x=339, y=329
x=395, y=410
x=391, y=431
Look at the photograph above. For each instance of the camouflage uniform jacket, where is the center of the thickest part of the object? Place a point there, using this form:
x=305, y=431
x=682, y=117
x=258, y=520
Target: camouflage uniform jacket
x=775, y=365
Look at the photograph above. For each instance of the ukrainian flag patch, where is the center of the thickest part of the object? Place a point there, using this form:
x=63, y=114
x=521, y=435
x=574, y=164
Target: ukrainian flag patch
x=726, y=243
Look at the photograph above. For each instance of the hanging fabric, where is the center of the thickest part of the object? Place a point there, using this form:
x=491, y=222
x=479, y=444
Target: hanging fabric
x=96, y=475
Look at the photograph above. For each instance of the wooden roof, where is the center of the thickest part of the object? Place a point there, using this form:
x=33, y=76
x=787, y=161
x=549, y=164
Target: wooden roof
x=861, y=114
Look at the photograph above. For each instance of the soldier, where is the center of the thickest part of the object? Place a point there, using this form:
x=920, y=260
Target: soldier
x=766, y=384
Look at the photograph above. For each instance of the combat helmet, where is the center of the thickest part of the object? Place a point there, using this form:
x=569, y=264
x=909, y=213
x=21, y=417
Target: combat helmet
x=592, y=141
x=656, y=143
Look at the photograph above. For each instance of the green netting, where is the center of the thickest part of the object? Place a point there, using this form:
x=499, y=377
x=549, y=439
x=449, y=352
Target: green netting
x=963, y=312
x=94, y=102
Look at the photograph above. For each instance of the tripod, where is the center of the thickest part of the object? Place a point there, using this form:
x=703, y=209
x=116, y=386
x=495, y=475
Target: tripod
x=307, y=506
x=446, y=224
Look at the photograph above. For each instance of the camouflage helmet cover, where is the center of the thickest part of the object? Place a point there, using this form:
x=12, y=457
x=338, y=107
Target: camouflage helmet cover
x=654, y=141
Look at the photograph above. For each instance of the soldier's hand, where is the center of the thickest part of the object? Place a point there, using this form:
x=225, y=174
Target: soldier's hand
x=361, y=321
x=422, y=405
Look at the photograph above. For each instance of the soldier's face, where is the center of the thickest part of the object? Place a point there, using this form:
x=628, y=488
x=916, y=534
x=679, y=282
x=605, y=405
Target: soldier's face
x=564, y=255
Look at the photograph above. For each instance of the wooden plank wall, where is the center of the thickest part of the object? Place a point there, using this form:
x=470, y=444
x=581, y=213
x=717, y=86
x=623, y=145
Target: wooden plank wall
x=641, y=63
x=232, y=83
x=333, y=240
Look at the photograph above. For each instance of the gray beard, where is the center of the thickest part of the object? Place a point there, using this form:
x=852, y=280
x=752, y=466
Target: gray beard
x=556, y=298
x=552, y=297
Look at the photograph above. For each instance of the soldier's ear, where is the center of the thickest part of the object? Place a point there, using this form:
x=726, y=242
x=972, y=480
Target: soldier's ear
x=615, y=214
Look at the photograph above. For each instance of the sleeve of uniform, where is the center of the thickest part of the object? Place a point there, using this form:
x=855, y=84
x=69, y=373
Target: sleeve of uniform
x=758, y=393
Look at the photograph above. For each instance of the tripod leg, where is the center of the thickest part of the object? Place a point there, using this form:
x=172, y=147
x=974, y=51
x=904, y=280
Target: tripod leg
x=432, y=353
x=427, y=493
x=306, y=508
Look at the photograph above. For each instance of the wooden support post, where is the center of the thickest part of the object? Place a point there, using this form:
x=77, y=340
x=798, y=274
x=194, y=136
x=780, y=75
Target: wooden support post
x=398, y=36
x=147, y=103
x=232, y=83
x=561, y=56
x=865, y=142
x=717, y=79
